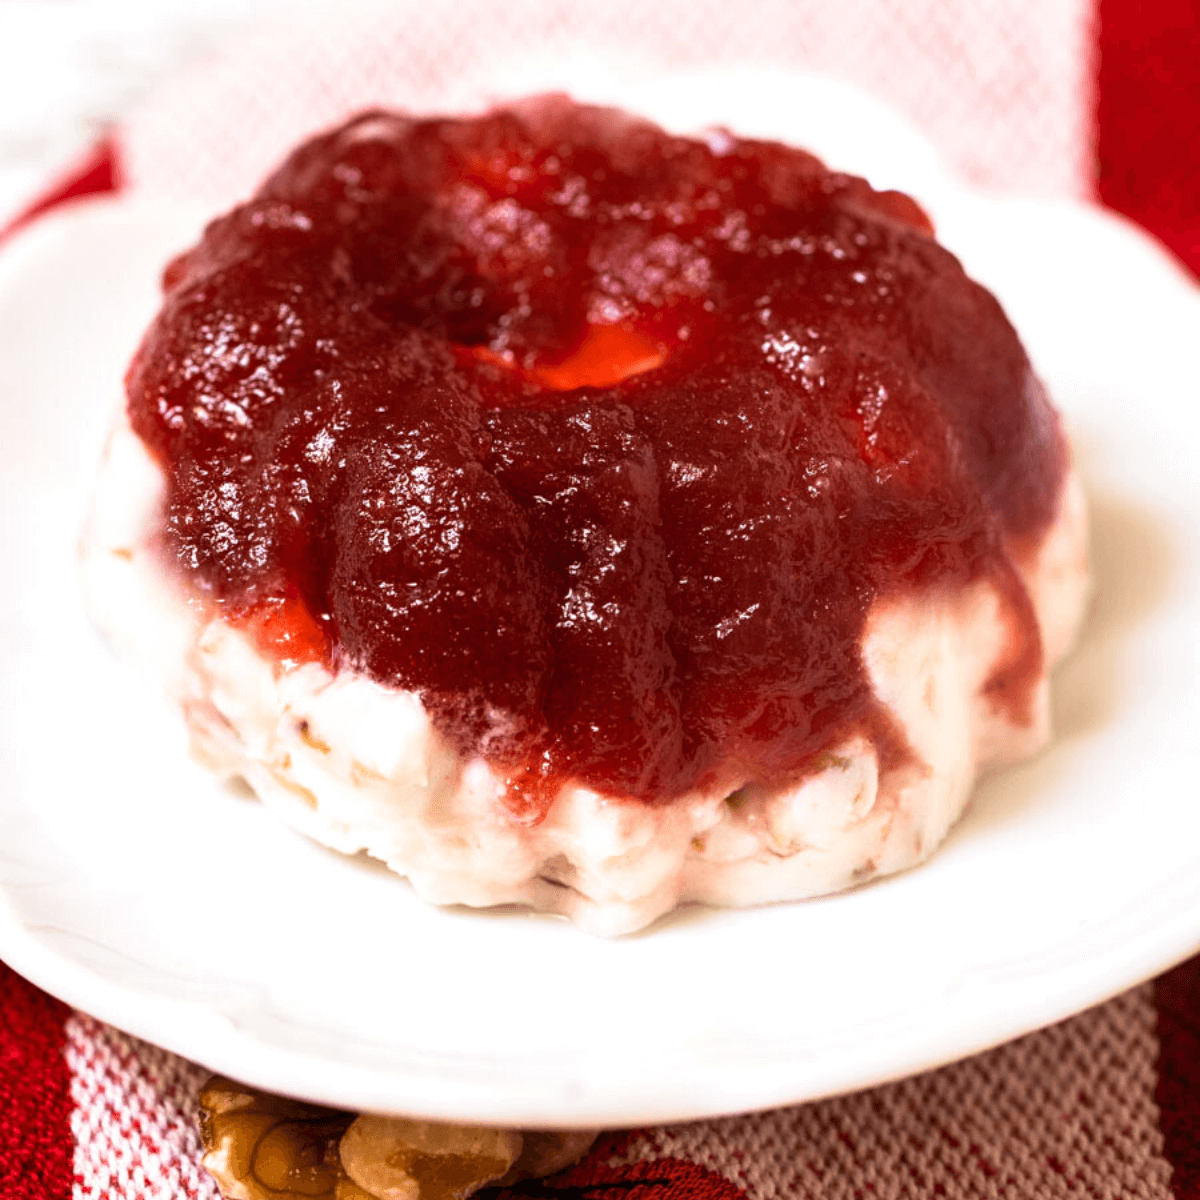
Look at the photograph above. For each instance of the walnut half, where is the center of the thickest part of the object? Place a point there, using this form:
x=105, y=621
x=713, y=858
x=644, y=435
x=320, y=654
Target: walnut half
x=263, y=1147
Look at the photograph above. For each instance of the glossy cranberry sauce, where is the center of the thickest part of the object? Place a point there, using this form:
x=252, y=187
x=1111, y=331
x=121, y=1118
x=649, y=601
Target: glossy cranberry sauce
x=604, y=441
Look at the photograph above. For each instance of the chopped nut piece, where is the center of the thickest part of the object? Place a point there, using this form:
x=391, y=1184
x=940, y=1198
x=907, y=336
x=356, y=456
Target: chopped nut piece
x=347, y=1189
x=548, y=1151
x=291, y=1156
x=262, y=1147
x=395, y=1158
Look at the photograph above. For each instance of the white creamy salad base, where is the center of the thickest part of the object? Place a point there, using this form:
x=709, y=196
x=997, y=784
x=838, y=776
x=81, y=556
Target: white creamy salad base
x=359, y=766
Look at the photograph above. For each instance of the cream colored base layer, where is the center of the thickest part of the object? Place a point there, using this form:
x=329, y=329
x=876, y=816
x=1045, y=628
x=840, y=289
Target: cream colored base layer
x=359, y=767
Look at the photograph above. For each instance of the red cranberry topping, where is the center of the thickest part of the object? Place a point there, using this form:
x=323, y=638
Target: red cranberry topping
x=602, y=440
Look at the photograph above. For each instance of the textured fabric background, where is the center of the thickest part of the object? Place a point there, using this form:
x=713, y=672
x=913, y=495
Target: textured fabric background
x=1060, y=97
x=1106, y=1105
x=1004, y=88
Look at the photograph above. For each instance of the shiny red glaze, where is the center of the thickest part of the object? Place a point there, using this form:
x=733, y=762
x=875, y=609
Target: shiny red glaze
x=602, y=440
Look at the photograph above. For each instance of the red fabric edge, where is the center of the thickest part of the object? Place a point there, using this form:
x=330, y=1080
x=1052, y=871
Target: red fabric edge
x=1148, y=167
x=97, y=172
x=36, y=1146
x=1177, y=1091
x=1148, y=118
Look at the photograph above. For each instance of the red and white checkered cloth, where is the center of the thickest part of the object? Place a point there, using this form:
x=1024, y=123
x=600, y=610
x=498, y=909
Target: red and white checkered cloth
x=1106, y=1105
x=1090, y=98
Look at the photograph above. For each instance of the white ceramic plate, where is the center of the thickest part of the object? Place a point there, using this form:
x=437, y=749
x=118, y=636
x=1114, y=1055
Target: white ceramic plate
x=136, y=889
